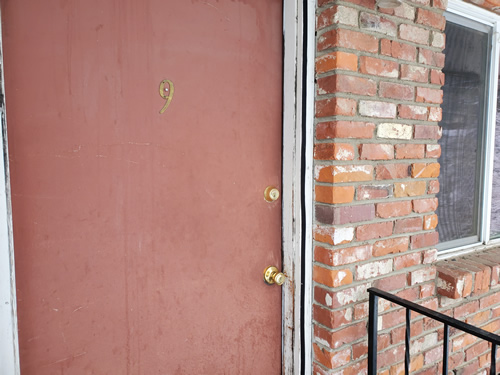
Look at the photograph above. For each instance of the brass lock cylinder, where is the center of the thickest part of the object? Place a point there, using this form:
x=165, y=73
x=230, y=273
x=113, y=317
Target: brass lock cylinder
x=271, y=194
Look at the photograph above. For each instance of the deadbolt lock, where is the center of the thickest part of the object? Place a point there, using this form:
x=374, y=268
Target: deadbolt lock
x=273, y=276
x=271, y=194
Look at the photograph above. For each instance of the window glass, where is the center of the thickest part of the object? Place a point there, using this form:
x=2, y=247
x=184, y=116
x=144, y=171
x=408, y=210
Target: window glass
x=466, y=66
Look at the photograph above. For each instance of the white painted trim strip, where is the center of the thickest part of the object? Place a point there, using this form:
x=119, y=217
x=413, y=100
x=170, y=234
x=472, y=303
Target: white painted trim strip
x=291, y=191
x=308, y=184
x=9, y=349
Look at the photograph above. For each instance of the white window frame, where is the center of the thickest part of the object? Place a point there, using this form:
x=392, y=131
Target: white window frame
x=489, y=19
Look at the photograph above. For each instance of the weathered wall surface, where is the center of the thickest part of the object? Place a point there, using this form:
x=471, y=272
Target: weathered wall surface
x=378, y=96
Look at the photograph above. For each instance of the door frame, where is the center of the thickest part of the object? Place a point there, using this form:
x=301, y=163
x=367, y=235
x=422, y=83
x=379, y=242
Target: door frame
x=297, y=175
x=298, y=115
x=9, y=347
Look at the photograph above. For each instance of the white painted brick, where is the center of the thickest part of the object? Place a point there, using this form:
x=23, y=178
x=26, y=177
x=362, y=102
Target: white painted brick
x=346, y=16
x=394, y=131
x=438, y=39
x=377, y=109
x=374, y=269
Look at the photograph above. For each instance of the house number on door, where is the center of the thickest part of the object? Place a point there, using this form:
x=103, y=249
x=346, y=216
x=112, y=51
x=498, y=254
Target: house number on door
x=166, y=92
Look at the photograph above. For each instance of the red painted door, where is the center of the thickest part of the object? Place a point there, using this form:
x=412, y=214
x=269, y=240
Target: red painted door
x=140, y=237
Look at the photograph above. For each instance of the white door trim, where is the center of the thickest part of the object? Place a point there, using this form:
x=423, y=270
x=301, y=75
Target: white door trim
x=298, y=115
x=9, y=348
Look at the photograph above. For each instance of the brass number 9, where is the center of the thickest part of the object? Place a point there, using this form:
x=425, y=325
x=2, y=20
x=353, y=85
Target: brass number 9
x=166, y=92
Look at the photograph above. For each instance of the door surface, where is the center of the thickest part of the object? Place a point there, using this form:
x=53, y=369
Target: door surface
x=140, y=238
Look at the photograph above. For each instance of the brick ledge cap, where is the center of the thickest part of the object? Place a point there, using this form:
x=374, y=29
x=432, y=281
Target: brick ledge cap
x=468, y=275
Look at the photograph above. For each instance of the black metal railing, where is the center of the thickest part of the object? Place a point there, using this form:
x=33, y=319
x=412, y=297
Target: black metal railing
x=410, y=306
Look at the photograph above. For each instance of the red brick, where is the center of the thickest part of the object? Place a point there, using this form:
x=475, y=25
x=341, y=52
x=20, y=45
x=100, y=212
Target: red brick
x=435, y=114
x=418, y=241
x=344, y=129
x=407, y=261
x=344, y=173
x=361, y=311
x=433, y=187
x=453, y=282
x=335, y=106
x=429, y=57
x=412, y=112
x=393, y=209
x=396, y=91
x=333, y=236
x=433, y=151
x=409, y=189
x=421, y=275
x=333, y=151
x=347, y=39
x=391, y=283
x=366, y=192
x=390, y=356
x=359, y=350
x=430, y=221
x=437, y=77
x=342, y=336
x=440, y=4
x=337, y=15
x=430, y=18
x=334, y=194
x=412, y=224
x=346, y=83
x=376, y=151
x=318, y=370
x=481, y=274
x=372, y=231
x=425, y=205
x=390, y=246
x=336, y=60
x=391, y=171
x=332, y=319
x=332, y=278
x=465, y=309
x=479, y=318
x=398, y=50
x=434, y=355
x=340, y=257
x=329, y=359
x=409, y=151
x=414, y=34
x=427, y=95
x=493, y=326
x=429, y=256
x=427, y=132
x=375, y=23
x=427, y=290
x=392, y=319
x=414, y=73
x=422, y=170
x=352, y=214
x=378, y=67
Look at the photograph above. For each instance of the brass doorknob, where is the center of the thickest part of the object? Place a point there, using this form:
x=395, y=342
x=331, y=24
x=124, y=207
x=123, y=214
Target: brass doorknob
x=271, y=194
x=273, y=276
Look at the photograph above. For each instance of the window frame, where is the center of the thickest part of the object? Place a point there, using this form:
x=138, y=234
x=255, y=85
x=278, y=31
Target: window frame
x=489, y=20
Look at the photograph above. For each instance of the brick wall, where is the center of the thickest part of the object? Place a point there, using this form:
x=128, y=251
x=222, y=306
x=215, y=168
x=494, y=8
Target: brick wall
x=378, y=96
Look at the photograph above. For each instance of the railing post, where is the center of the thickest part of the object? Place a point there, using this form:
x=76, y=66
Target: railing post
x=493, y=368
x=445, y=348
x=407, y=342
x=372, y=334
